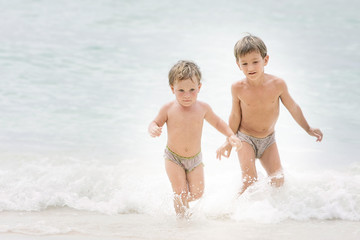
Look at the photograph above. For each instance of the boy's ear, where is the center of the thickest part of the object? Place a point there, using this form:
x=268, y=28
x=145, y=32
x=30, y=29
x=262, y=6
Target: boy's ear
x=266, y=60
x=239, y=65
x=199, y=86
x=172, y=89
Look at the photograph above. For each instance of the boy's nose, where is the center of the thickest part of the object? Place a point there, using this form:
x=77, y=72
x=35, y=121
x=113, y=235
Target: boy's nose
x=187, y=95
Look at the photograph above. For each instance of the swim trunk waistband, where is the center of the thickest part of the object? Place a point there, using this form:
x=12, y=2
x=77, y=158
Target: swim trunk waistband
x=182, y=156
x=258, y=144
x=187, y=163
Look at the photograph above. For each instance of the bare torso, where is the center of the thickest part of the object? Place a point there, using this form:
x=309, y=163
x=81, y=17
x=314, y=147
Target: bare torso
x=259, y=106
x=184, y=128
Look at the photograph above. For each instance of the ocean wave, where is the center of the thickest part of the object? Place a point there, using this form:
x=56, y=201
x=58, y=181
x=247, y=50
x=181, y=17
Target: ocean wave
x=326, y=196
x=124, y=188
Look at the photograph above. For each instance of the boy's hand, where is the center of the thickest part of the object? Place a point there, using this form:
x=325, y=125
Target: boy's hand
x=155, y=131
x=316, y=133
x=224, y=150
x=235, y=142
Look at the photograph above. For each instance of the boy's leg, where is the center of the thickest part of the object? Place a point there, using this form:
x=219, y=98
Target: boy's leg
x=177, y=177
x=196, y=182
x=270, y=160
x=247, y=163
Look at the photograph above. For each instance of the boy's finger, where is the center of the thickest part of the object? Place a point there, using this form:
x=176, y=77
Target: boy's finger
x=218, y=155
x=318, y=136
x=232, y=142
x=226, y=154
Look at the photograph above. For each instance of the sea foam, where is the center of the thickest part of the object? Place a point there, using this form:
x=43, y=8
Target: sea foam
x=123, y=188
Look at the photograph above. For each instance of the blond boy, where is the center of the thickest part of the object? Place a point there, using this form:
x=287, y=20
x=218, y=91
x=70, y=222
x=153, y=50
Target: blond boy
x=184, y=119
x=255, y=110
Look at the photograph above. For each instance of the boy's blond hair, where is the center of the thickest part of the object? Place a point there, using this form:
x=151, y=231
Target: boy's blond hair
x=184, y=70
x=249, y=44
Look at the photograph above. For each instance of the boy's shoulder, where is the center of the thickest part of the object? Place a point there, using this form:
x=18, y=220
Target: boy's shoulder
x=167, y=105
x=239, y=83
x=202, y=104
x=275, y=80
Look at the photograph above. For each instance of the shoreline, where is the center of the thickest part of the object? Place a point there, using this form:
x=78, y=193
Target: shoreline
x=66, y=223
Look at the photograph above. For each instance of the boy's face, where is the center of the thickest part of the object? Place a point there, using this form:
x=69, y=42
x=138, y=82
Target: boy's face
x=186, y=91
x=252, y=65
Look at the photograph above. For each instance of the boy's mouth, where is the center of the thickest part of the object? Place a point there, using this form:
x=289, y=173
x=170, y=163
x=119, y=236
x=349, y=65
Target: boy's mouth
x=252, y=73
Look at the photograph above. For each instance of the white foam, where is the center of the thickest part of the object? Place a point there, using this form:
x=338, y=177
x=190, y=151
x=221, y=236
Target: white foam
x=123, y=188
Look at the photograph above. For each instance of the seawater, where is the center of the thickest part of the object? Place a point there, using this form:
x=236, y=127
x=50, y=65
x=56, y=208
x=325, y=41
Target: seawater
x=81, y=80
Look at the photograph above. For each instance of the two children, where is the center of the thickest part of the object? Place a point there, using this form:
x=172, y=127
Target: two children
x=255, y=110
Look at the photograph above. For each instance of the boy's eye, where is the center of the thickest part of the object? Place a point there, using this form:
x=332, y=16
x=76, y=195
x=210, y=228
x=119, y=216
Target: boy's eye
x=244, y=64
x=255, y=62
x=191, y=90
x=181, y=90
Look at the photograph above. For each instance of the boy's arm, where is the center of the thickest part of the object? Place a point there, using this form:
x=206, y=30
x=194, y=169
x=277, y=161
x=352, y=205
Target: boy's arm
x=235, y=115
x=217, y=122
x=222, y=127
x=155, y=127
x=297, y=113
x=234, y=122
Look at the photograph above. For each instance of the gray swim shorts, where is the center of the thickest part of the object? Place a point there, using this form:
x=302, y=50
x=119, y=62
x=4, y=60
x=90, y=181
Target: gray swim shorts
x=259, y=144
x=187, y=163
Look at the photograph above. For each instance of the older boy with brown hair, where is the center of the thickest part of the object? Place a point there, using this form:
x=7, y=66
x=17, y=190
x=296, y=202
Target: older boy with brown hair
x=255, y=110
x=184, y=119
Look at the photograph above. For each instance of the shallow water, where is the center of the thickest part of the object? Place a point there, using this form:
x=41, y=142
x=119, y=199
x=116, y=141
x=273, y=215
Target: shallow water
x=54, y=224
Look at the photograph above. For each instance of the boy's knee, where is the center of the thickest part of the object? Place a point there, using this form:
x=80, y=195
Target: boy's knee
x=181, y=199
x=197, y=194
x=277, y=180
x=196, y=191
x=249, y=180
x=181, y=194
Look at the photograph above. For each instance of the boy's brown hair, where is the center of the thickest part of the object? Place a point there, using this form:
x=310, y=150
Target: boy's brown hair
x=184, y=70
x=249, y=44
